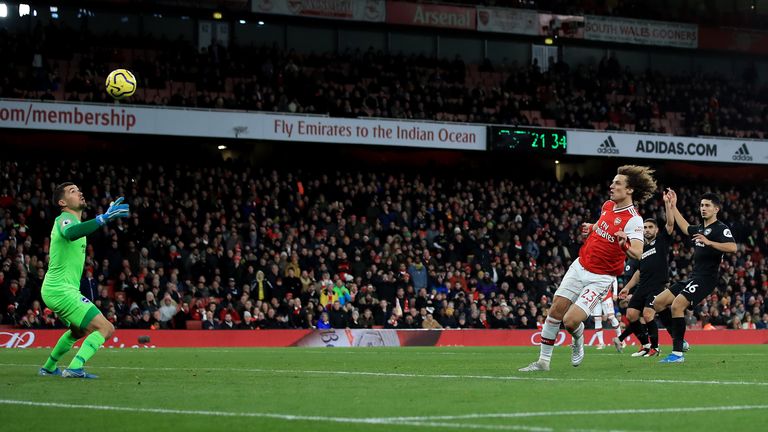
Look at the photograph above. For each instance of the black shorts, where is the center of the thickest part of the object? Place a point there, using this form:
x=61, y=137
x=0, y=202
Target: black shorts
x=643, y=297
x=694, y=290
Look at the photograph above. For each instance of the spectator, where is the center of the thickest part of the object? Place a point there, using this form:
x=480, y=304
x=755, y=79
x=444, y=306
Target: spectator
x=748, y=324
x=354, y=321
x=394, y=322
x=104, y=300
x=341, y=293
x=9, y=317
x=734, y=323
x=89, y=287
x=262, y=288
x=146, y=321
x=227, y=323
x=367, y=321
x=337, y=316
x=210, y=323
x=447, y=318
x=150, y=304
x=690, y=320
x=182, y=316
x=31, y=320
x=430, y=323
x=168, y=310
x=763, y=323
x=247, y=322
x=418, y=275
x=382, y=312
x=324, y=323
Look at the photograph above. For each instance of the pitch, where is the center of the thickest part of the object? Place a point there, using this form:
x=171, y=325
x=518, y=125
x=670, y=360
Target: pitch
x=405, y=389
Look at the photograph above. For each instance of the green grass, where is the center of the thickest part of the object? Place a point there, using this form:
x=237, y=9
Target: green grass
x=345, y=388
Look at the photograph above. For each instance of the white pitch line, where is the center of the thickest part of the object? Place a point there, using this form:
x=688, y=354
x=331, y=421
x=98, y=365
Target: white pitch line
x=287, y=417
x=343, y=350
x=730, y=355
x=303, y=350
x=428, y=376
x=420, y=422
x=588, y=412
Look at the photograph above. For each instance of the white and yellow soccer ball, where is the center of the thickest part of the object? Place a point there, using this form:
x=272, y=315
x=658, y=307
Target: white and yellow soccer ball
x=121, y=84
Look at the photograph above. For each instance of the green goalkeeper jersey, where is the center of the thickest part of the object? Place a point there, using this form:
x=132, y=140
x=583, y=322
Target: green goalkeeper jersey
x=67, y=257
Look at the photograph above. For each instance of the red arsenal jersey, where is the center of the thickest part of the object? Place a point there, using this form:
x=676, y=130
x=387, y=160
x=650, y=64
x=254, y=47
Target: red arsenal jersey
x=601, y=253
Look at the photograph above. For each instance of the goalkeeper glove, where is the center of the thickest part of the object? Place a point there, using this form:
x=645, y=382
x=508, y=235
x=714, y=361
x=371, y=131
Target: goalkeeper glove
x=116, y=210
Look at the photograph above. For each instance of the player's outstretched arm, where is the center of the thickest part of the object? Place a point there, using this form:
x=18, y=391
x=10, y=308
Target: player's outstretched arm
x=681, y=222
x=679, y=219
x=669, y=215
x=116, y=210
x=630, y=285
x=76, y=231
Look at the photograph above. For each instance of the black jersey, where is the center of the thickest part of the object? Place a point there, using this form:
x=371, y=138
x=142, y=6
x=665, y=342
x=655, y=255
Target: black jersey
x=654, y=264
x=706, y=260
x=630, y=267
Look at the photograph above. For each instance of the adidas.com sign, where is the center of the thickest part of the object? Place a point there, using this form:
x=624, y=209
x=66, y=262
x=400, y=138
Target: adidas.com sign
x=742, y=154
x=608, y=146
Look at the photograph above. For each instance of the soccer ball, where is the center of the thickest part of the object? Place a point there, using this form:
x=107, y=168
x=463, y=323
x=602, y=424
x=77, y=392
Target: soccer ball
x=121, y=83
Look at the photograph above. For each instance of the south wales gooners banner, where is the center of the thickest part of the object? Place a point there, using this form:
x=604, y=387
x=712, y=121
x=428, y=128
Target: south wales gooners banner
x=641, y=32
x=667, y=147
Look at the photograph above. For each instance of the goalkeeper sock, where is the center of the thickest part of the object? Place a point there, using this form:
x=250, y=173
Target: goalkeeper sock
x=91, y=344
x=62, y=347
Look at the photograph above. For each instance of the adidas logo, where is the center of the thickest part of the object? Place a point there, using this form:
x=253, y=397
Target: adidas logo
x=608, y=146
x=742, y=154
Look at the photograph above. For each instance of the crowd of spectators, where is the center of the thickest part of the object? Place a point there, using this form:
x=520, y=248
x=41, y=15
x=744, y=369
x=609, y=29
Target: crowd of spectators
x=70, y=65
x=238, y=246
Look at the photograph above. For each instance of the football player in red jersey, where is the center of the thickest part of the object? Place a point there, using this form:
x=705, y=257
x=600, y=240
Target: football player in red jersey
x=618, y=233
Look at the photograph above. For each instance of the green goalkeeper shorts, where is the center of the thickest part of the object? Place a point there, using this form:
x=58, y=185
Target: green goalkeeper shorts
x=71, y=306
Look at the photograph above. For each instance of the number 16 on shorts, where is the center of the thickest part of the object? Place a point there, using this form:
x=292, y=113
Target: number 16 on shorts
x=691, y=287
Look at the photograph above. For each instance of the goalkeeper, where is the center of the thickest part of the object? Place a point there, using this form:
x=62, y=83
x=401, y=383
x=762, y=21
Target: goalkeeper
x=61, y=286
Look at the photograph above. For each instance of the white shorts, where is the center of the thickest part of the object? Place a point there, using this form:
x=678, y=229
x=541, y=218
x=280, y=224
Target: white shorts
x=605, y=307
x=584, y=288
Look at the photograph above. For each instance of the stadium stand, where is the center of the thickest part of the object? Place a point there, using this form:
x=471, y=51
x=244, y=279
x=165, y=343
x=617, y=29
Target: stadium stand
x=485, y=252
x=376, y=84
